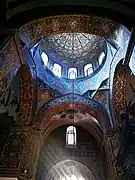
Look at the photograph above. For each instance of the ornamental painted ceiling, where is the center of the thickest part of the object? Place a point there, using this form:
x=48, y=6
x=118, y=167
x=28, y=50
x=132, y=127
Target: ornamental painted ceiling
x=76, y=48
x=34, y=30
x=73, y=39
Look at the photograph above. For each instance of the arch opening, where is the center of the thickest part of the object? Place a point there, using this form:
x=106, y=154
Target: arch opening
x=59, y=162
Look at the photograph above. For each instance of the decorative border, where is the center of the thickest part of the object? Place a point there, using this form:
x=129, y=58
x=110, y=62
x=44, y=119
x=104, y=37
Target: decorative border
x=31, y=32
x=72, y=101
x=27, y=96
x=118, y=58
x=119, y=87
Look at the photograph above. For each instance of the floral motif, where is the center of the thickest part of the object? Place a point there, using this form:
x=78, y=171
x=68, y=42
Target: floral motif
x=119, y=89
x=34, y=30
x=75, y=47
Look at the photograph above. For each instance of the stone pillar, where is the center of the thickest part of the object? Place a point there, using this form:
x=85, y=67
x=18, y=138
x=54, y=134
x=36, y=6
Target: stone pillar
x=30, y=156
x=80, y=71
x=20, y=155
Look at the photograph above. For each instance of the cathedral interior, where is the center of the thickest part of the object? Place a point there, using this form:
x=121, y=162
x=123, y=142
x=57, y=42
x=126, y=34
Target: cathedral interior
x=67, y=90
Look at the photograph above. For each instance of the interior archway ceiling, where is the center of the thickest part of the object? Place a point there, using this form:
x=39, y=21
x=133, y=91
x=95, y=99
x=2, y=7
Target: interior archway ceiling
x=34, y=30
x=75, y=115
x=76, y=48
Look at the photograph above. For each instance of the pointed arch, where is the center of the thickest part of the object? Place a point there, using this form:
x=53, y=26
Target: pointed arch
x=101, y=57
x=88, y=69
x=72, y=73
x=57, y=70
x=44, y=58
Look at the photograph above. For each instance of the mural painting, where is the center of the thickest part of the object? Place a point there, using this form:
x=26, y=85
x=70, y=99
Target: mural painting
x=9, y=102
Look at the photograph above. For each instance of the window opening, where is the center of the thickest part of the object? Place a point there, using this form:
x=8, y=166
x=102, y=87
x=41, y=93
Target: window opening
x=57, y=70
x=88, y=69
x=44, y=58
x=72, y=73
x=71, y=136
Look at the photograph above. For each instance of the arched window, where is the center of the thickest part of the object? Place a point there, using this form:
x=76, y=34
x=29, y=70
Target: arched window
x=57, y=70
x=101, y=58
x=72, y=73
x=88, y=69
x=44, y=58
x=71, y=136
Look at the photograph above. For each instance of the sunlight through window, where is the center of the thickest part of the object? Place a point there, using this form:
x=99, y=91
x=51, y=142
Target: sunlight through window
x=88, y=69
x=72, y=177
x=57, y=70
x=44, y=58
x=71, y=136
x=72, y=73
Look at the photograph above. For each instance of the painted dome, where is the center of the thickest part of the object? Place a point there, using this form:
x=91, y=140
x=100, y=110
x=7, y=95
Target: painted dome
x=76, y=48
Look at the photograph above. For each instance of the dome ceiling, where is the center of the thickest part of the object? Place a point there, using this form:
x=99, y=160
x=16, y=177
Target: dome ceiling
x=71, y=46
x=75, y=48
x=70, y=40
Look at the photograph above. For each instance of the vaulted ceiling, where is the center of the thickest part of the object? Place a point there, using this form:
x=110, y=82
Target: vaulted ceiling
x=14, y=13
x=119, y=10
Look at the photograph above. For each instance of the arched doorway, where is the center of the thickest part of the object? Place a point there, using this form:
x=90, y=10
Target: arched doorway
x=86, y=160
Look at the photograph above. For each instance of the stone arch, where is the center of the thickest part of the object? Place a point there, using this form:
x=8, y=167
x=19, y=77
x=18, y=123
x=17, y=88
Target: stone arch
x=88, y=152
x=28, y=93
x=119, y=85
x=73, y=101
x=53, y=123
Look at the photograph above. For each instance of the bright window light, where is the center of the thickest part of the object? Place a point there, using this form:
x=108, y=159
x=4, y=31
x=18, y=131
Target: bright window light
x=72, y=73
x=35, y=45
x=44, y=58
x=73, y=177
x=80, y=178
x=71, y=136
x=101, y=58
x=57, y=70
x=88, y=69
